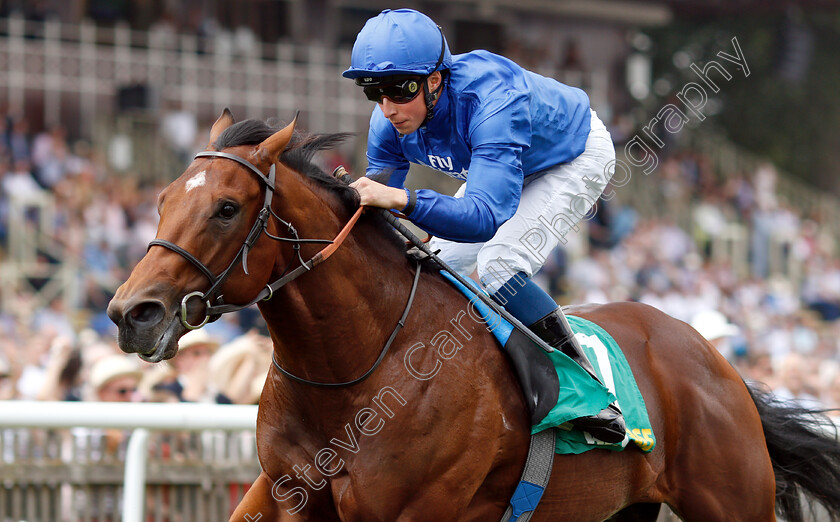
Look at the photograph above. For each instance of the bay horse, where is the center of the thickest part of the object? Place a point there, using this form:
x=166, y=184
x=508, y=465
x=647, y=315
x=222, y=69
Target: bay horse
x=439, y=429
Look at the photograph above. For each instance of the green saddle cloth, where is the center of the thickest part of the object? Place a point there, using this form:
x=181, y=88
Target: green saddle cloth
x=613, y=370
x=580, y=395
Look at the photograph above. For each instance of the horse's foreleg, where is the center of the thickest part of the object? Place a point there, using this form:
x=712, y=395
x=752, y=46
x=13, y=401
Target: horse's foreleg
x=259, y=505
x=637, y=513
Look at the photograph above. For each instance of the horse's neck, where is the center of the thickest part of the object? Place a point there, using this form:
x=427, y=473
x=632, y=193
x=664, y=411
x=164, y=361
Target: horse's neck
x=331, y=323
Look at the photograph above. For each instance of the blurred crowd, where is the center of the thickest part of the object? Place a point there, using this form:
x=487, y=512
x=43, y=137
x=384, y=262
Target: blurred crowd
x=777, y=325
x=104, y=222
x=778, y=329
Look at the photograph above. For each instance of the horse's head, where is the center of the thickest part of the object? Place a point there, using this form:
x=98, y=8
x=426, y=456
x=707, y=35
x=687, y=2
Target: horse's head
x=211, y=227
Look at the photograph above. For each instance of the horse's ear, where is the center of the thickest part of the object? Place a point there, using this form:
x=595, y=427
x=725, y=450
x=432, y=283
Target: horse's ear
x=224, y=121
x=274, y=145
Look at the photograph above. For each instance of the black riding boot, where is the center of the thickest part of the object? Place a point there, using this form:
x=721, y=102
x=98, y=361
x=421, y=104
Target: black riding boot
x=554, y=329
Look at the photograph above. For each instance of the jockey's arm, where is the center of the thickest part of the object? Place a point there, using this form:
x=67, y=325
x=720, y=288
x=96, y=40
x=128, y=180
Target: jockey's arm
x=498, y=134
x=491, y=198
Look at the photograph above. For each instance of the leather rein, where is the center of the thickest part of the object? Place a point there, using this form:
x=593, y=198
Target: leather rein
x=213, y=295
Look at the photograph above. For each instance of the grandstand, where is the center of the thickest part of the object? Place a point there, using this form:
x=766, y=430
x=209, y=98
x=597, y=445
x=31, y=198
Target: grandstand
x=139, y=97
x=102, y=106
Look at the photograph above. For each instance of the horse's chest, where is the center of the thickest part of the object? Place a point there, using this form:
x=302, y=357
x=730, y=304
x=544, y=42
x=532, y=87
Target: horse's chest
x=340, y=474
x=344, y=467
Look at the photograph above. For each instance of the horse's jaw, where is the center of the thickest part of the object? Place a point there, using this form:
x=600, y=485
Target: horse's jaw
x=164, y=342
x=167, y=345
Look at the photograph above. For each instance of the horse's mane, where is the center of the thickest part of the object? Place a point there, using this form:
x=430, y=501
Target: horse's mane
x=298, y=156
x=298, y=153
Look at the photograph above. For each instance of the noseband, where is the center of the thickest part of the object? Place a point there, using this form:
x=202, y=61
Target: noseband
x=213, y=295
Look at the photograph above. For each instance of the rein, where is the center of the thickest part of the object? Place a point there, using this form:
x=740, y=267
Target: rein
x=214, y=311
x=213, y=295
x=382, y=353
x=267, y=293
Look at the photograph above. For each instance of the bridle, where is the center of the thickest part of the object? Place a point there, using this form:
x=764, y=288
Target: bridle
x=213, y=312
x=212, y=298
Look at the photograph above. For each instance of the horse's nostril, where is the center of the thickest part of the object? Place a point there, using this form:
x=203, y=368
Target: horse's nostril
x=149, y=312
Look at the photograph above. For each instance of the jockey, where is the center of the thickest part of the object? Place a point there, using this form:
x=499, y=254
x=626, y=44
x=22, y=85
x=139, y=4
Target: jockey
x=533, y=155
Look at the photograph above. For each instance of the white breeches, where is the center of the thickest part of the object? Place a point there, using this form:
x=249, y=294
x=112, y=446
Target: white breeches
x=553, y=202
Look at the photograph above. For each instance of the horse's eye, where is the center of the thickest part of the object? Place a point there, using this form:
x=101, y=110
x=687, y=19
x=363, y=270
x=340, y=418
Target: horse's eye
x=227, y=211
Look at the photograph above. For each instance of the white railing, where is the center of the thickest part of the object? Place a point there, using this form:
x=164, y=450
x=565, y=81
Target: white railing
x=90, y=64
x=141, y=418
x=80, y=68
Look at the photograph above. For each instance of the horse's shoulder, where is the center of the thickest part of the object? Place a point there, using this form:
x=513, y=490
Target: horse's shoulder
x=445, y=288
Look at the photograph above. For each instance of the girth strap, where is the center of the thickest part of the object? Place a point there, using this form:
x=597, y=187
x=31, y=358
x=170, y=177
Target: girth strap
x=534, y=479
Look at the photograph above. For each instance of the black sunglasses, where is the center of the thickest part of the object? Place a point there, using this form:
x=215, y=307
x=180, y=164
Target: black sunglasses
x=401, y=91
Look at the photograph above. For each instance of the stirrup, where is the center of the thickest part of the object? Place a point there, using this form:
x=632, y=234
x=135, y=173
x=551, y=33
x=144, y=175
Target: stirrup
x=607, y=426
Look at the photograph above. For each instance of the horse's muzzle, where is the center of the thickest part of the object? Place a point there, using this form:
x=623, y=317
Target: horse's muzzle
x=142, y=327
x=138, y=316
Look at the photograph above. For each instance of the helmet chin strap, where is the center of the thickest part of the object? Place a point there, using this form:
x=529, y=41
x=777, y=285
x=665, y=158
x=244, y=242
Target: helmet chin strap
x=430, y=98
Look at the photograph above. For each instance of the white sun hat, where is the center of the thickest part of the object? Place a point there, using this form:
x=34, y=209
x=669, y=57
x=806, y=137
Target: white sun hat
x=198, y=338
x=713, y=325
x=111, y=367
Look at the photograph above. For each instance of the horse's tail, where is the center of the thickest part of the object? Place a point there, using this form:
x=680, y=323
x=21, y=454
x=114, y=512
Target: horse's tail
x=805, y=450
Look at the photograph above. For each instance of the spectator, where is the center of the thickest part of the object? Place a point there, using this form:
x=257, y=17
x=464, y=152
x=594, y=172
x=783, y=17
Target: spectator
x=62, y=377
x=49, y=157
x=115, y=378
x=19, y=140
x=225, y=329
x=7, y=381
x=717, y=329
x=194, y=352
x=832, y=395
x=793, y=384
x=34, y=354
x=240, y=367
x=160, y=384
x=180, y=128
x=609, y=224
x=54, y=318
x=19, y=183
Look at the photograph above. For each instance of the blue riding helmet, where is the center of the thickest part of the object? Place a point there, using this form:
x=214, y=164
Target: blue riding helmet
x=399, y=42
